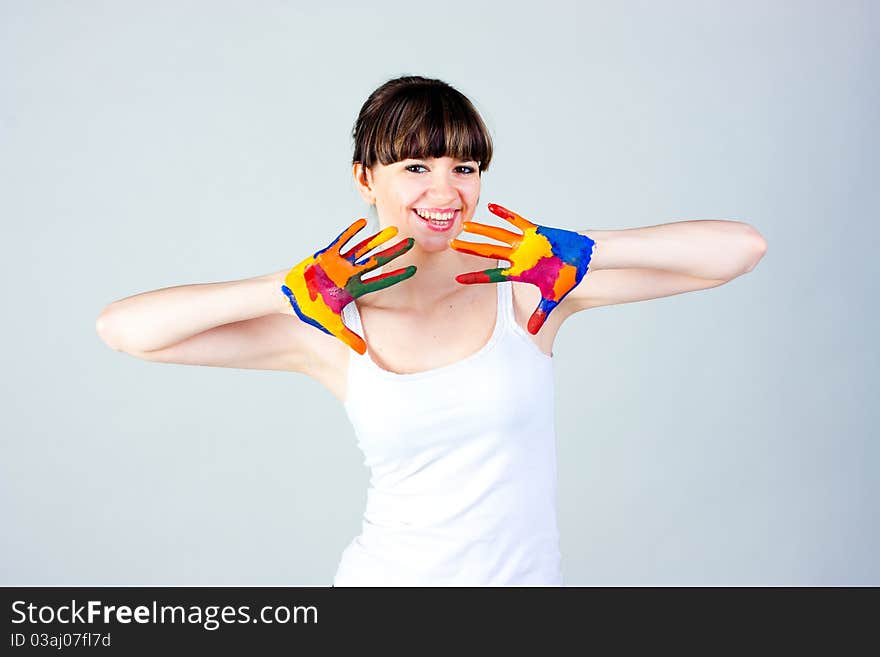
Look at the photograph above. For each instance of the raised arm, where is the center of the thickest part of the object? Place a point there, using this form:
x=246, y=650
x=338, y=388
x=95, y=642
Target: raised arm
x=638, y=264
x=706, y=248
x=157, y=319
x=282, y=320
x=247, y=324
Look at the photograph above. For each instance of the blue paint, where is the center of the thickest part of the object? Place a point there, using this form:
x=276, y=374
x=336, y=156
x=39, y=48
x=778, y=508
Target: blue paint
x=570, y=247
x=308, y=320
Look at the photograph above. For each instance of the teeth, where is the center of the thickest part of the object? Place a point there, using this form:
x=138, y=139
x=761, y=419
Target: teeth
x=436, y=216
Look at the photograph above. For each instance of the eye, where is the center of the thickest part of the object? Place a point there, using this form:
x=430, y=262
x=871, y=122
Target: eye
x=466, y=169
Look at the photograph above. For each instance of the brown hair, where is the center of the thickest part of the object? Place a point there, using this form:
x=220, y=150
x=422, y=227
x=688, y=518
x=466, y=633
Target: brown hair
x=416, y=117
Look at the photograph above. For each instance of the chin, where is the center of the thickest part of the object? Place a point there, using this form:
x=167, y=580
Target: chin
x=432, y=244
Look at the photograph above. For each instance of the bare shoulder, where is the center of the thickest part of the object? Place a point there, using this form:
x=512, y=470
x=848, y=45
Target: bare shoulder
x=329, y=357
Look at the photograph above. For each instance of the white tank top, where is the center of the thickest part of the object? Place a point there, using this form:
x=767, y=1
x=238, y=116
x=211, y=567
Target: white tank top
x=463, y=475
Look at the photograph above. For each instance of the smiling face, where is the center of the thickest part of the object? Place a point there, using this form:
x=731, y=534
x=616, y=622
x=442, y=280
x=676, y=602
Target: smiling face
x=427, y=199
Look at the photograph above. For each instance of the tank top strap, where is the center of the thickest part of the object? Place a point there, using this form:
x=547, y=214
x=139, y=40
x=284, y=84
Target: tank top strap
x=506, y=303
x=352, y=318
x=506, y=315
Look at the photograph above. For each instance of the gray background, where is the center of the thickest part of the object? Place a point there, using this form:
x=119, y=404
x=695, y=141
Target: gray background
x=726, y=436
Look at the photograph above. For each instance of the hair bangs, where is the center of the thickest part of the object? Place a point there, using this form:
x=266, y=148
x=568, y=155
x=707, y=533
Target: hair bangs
x=434, y=127
x=420, y=119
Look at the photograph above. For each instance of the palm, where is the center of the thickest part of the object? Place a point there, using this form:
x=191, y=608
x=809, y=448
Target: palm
x=552, y=258
x=322, y=285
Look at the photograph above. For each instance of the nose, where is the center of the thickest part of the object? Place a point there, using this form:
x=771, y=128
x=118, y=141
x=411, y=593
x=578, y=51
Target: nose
x=441, y=185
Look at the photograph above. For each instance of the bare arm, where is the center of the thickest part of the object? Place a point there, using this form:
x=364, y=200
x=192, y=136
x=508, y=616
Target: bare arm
x=160, y=318
x=638, y=264
x=706, y=248
x=246, y=324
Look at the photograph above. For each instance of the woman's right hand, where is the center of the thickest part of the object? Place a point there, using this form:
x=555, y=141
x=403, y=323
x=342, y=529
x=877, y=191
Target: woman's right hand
x=320, y=286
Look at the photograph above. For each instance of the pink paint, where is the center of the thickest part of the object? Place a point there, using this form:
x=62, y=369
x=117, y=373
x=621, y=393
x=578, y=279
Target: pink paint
x=543, y=274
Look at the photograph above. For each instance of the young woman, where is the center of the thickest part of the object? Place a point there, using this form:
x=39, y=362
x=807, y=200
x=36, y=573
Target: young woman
x=444, y=364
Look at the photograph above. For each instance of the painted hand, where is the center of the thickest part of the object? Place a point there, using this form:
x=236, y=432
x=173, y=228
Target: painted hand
x=552, y=258
x=322, y=285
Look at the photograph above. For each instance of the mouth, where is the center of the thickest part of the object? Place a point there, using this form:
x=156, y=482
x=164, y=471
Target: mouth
x=439, y=221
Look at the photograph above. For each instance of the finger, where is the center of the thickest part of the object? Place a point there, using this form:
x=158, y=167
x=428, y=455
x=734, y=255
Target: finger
x=520, y=222
x=494, y=232
x=345, y=235
x=380, y=282
x=382, y=257
x=536, y=321
x=352, y=339
x=485, y=276
x=486, y=250
x=370, y=243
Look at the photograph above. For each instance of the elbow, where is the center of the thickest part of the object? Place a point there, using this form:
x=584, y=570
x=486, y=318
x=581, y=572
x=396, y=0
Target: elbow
x=117, y=335
x=757, y=248
x=105, y=328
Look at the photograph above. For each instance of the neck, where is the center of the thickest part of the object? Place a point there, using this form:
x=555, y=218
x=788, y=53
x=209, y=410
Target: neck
x=434, y=279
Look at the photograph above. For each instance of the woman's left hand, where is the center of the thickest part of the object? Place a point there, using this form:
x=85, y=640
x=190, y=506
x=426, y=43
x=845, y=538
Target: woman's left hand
x=552, y=258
